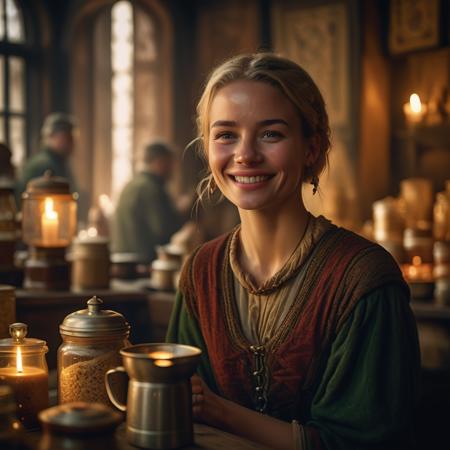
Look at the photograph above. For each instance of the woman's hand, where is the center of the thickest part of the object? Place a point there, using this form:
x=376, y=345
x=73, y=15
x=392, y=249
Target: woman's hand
x=218, y=412
x=206, y=406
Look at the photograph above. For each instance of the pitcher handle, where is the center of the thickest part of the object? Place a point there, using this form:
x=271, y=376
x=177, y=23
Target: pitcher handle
x=120, y=406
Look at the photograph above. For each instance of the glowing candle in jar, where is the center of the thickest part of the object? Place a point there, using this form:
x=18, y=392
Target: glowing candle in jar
x=414, y=110
x=49, y=224
x=30, y=387
x=162, y=358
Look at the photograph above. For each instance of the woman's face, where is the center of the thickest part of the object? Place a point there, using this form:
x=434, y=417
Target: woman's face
x=256, y=150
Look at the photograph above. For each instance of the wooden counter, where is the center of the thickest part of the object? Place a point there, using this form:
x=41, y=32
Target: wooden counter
x=206, y=438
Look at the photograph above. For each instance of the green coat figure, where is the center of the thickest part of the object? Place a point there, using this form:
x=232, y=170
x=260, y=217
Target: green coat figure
x=145, y=215
x=57, y=146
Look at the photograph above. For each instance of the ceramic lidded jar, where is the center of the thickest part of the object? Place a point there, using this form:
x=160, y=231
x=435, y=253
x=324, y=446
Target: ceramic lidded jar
x=92, y=339
x=79, y=426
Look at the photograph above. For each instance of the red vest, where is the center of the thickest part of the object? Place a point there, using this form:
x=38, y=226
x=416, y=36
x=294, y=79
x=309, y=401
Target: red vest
x=341, y=269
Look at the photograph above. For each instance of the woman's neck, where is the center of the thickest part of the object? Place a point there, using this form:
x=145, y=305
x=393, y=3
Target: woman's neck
x=268, y=238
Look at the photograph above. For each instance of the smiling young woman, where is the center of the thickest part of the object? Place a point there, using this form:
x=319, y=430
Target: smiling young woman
x=307, y=336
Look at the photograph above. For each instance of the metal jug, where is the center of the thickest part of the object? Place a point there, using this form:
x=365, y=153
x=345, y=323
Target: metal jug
x=159, y=400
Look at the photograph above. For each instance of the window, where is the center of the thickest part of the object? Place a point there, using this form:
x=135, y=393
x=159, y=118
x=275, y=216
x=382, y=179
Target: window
x=121, y=89
x=13, y=96
x=122, y=86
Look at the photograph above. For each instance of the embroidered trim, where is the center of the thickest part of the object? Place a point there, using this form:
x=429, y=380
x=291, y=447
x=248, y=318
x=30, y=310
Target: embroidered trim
x=316, y=260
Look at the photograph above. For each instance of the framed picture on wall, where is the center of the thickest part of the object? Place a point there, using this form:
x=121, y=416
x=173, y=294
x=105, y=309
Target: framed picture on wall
x=413, y=25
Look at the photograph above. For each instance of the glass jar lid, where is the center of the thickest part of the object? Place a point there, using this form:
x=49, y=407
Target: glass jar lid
x=94, y=322
x=80, y=418
x=18, y=332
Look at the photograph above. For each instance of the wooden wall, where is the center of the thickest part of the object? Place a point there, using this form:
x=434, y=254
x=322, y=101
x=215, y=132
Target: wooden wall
x=207, y=31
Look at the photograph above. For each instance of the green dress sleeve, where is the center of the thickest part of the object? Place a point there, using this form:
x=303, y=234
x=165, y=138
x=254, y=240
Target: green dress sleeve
x=367, y=395
x=184, y=329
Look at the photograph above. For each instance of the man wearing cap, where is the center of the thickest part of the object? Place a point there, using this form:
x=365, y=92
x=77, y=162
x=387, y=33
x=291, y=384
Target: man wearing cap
x=57, y=146
x=145, y=215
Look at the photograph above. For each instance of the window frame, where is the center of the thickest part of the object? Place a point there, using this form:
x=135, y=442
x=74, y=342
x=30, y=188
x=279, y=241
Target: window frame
x=26, y=51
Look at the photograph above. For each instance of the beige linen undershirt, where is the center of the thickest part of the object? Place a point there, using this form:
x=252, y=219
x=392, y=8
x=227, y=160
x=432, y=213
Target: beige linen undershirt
x=263, y=308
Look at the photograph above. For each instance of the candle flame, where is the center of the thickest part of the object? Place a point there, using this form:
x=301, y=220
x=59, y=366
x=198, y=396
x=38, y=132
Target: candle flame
x=19, y=365
x=416, y=105
x=49, y=212
x=417, y=261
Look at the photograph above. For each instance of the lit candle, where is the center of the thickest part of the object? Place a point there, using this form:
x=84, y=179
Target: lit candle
x=30, y=386
x=414, y=110
x=49, y=224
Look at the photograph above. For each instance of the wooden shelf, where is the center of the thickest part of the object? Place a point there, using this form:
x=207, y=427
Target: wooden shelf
x=429, y=310
x=426, y=135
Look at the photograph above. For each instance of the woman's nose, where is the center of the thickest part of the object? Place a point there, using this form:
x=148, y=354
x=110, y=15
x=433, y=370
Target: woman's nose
x=247, y=153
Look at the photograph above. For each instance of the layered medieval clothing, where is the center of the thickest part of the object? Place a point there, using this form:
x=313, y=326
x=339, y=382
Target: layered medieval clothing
x=329, y=341
x=144, y=218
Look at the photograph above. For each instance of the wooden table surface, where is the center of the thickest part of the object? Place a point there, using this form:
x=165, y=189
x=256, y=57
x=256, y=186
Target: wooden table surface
x=206, y=438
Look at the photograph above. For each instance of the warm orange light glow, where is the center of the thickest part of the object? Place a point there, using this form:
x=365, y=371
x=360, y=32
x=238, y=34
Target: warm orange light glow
x=417, y=261
x=163, y=363
x=418, y=271
x=49, y=212
x=161, y=355
x=416, y=105
x=49, y=223
x=19, y=365
x=414, y=110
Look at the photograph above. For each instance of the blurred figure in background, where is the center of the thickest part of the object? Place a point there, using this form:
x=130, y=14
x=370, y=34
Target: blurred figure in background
x=57, y=135
x=57, y=145
x=145, y=215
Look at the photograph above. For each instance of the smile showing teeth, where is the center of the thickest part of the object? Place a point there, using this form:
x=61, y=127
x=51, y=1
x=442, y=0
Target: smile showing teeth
x=251, y=180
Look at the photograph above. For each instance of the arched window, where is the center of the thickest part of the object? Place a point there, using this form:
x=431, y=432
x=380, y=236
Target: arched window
x=121, y=87
x=13, y=69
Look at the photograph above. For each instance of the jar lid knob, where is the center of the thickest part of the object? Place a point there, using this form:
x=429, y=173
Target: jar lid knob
x=18, y=331
x=94, y=304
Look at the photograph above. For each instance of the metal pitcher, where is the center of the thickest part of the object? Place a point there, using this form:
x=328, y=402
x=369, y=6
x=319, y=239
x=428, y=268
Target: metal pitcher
x=159, y=400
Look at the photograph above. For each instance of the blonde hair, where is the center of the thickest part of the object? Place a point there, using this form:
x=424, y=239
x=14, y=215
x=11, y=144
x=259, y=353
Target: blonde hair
x=285, y=75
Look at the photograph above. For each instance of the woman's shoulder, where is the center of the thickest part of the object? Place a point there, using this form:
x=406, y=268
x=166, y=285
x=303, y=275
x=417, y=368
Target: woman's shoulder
x=357, y=248
x=205, y=252
x=358, y=261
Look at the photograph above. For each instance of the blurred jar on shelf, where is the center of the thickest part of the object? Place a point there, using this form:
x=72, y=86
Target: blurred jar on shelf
x=416, y=202
x=441, y=272
x=388, y=226
x=441, y=215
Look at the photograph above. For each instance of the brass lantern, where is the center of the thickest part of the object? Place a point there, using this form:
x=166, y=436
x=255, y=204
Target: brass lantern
x=48, y=226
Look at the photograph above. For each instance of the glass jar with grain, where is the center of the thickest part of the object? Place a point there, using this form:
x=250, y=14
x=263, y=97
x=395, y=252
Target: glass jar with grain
x=92, y=339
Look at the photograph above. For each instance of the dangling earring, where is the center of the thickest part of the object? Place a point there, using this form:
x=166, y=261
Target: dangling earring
x=315, y=183
x=211, y=185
